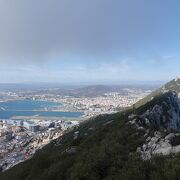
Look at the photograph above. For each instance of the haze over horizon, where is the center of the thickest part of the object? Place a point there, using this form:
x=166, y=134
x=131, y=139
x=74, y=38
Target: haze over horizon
x=97, y=42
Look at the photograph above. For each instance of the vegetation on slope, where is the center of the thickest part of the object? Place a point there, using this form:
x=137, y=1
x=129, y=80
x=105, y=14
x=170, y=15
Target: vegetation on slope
x=173, y=85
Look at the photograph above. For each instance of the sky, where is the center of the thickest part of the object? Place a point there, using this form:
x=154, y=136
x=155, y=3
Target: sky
x=89, y=41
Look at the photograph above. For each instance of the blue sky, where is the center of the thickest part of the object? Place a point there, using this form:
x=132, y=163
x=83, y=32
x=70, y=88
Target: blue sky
x=105, y=41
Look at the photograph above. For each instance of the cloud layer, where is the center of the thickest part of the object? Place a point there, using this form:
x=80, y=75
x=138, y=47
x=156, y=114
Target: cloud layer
x=104, y=40
x=43, y=28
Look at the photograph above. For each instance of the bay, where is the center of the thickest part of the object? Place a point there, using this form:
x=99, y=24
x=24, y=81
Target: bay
x=33, y=108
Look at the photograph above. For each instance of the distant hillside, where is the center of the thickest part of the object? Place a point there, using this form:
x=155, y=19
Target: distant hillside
x=98, y=90
x=94, y=90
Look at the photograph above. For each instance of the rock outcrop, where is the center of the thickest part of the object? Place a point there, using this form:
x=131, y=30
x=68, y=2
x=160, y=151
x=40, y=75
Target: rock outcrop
x=159, y=145
x=164, y=115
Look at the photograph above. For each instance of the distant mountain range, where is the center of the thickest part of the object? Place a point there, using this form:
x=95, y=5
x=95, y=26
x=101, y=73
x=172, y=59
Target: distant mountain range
x=91, y=91
x=51, y=85
x=98, y=90
x=140, y=143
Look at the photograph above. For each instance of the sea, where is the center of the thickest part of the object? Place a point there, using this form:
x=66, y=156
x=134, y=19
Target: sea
x=33, y=108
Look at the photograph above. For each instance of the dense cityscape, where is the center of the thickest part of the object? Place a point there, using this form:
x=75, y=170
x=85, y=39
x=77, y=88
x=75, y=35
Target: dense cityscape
x=22, y=136
x=105, y=103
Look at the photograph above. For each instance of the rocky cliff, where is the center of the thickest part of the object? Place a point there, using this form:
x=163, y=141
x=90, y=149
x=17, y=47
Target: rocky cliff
x=162, y=115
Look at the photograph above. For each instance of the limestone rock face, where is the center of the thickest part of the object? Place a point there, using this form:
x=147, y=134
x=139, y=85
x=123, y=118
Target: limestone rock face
x=165, y=115
x=159, y=145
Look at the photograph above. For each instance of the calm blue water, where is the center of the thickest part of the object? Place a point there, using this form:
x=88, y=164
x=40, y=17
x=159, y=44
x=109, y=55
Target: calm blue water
x=27, y=105
x=32, y=108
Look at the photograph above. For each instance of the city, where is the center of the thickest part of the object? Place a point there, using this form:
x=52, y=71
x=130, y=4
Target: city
x=22, y=136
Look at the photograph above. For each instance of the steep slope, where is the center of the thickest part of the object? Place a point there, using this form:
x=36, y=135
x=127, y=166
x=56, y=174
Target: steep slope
x=162, y=115
x=173, y=85
x=126, y=145
x=102, y=147
x=162, y=112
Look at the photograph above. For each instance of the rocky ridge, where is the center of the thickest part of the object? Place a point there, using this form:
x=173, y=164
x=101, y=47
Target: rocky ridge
x=162, y=115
